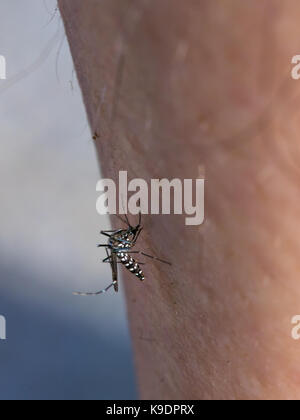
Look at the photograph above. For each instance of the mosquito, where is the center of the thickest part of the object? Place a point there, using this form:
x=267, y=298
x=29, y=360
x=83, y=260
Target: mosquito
x=119, y=249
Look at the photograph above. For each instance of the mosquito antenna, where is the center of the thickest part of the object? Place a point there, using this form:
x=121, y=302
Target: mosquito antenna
x=138, y=234
x=123, y=208
x=127, y=220
x=121, y=218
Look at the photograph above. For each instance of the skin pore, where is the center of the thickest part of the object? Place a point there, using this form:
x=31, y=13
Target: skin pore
x=172, y=88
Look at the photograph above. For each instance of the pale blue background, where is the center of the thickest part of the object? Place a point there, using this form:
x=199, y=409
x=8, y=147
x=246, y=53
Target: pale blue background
x=59, y=346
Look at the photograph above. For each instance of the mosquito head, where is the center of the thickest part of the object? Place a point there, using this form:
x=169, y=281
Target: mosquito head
x=131, y=233
x=135, y=230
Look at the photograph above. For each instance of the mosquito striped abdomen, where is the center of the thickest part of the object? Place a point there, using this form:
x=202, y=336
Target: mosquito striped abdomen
x=131, y=265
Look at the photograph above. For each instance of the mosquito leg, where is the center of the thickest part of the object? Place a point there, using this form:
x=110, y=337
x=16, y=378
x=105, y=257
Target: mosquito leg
x=149, y=256
x=105, y=234
x=155, y=258
x=96, y=293
x=120, y=262
x=113, y=232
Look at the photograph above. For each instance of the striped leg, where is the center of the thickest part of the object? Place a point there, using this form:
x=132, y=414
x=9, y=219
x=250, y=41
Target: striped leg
x=114, y=283
x=95, y=293
x=149, y=256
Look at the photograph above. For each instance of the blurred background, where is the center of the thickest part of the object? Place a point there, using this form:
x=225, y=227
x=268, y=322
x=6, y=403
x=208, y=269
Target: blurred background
x=58, y=346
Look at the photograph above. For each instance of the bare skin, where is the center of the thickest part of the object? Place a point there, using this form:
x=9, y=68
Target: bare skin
x=171, y=86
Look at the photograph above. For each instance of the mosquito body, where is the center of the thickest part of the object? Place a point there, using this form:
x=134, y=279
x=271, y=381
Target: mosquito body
x=118, y=249
x=122, y=250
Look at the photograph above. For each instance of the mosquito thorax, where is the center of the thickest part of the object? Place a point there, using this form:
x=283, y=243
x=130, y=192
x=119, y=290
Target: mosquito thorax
x=121, y=240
